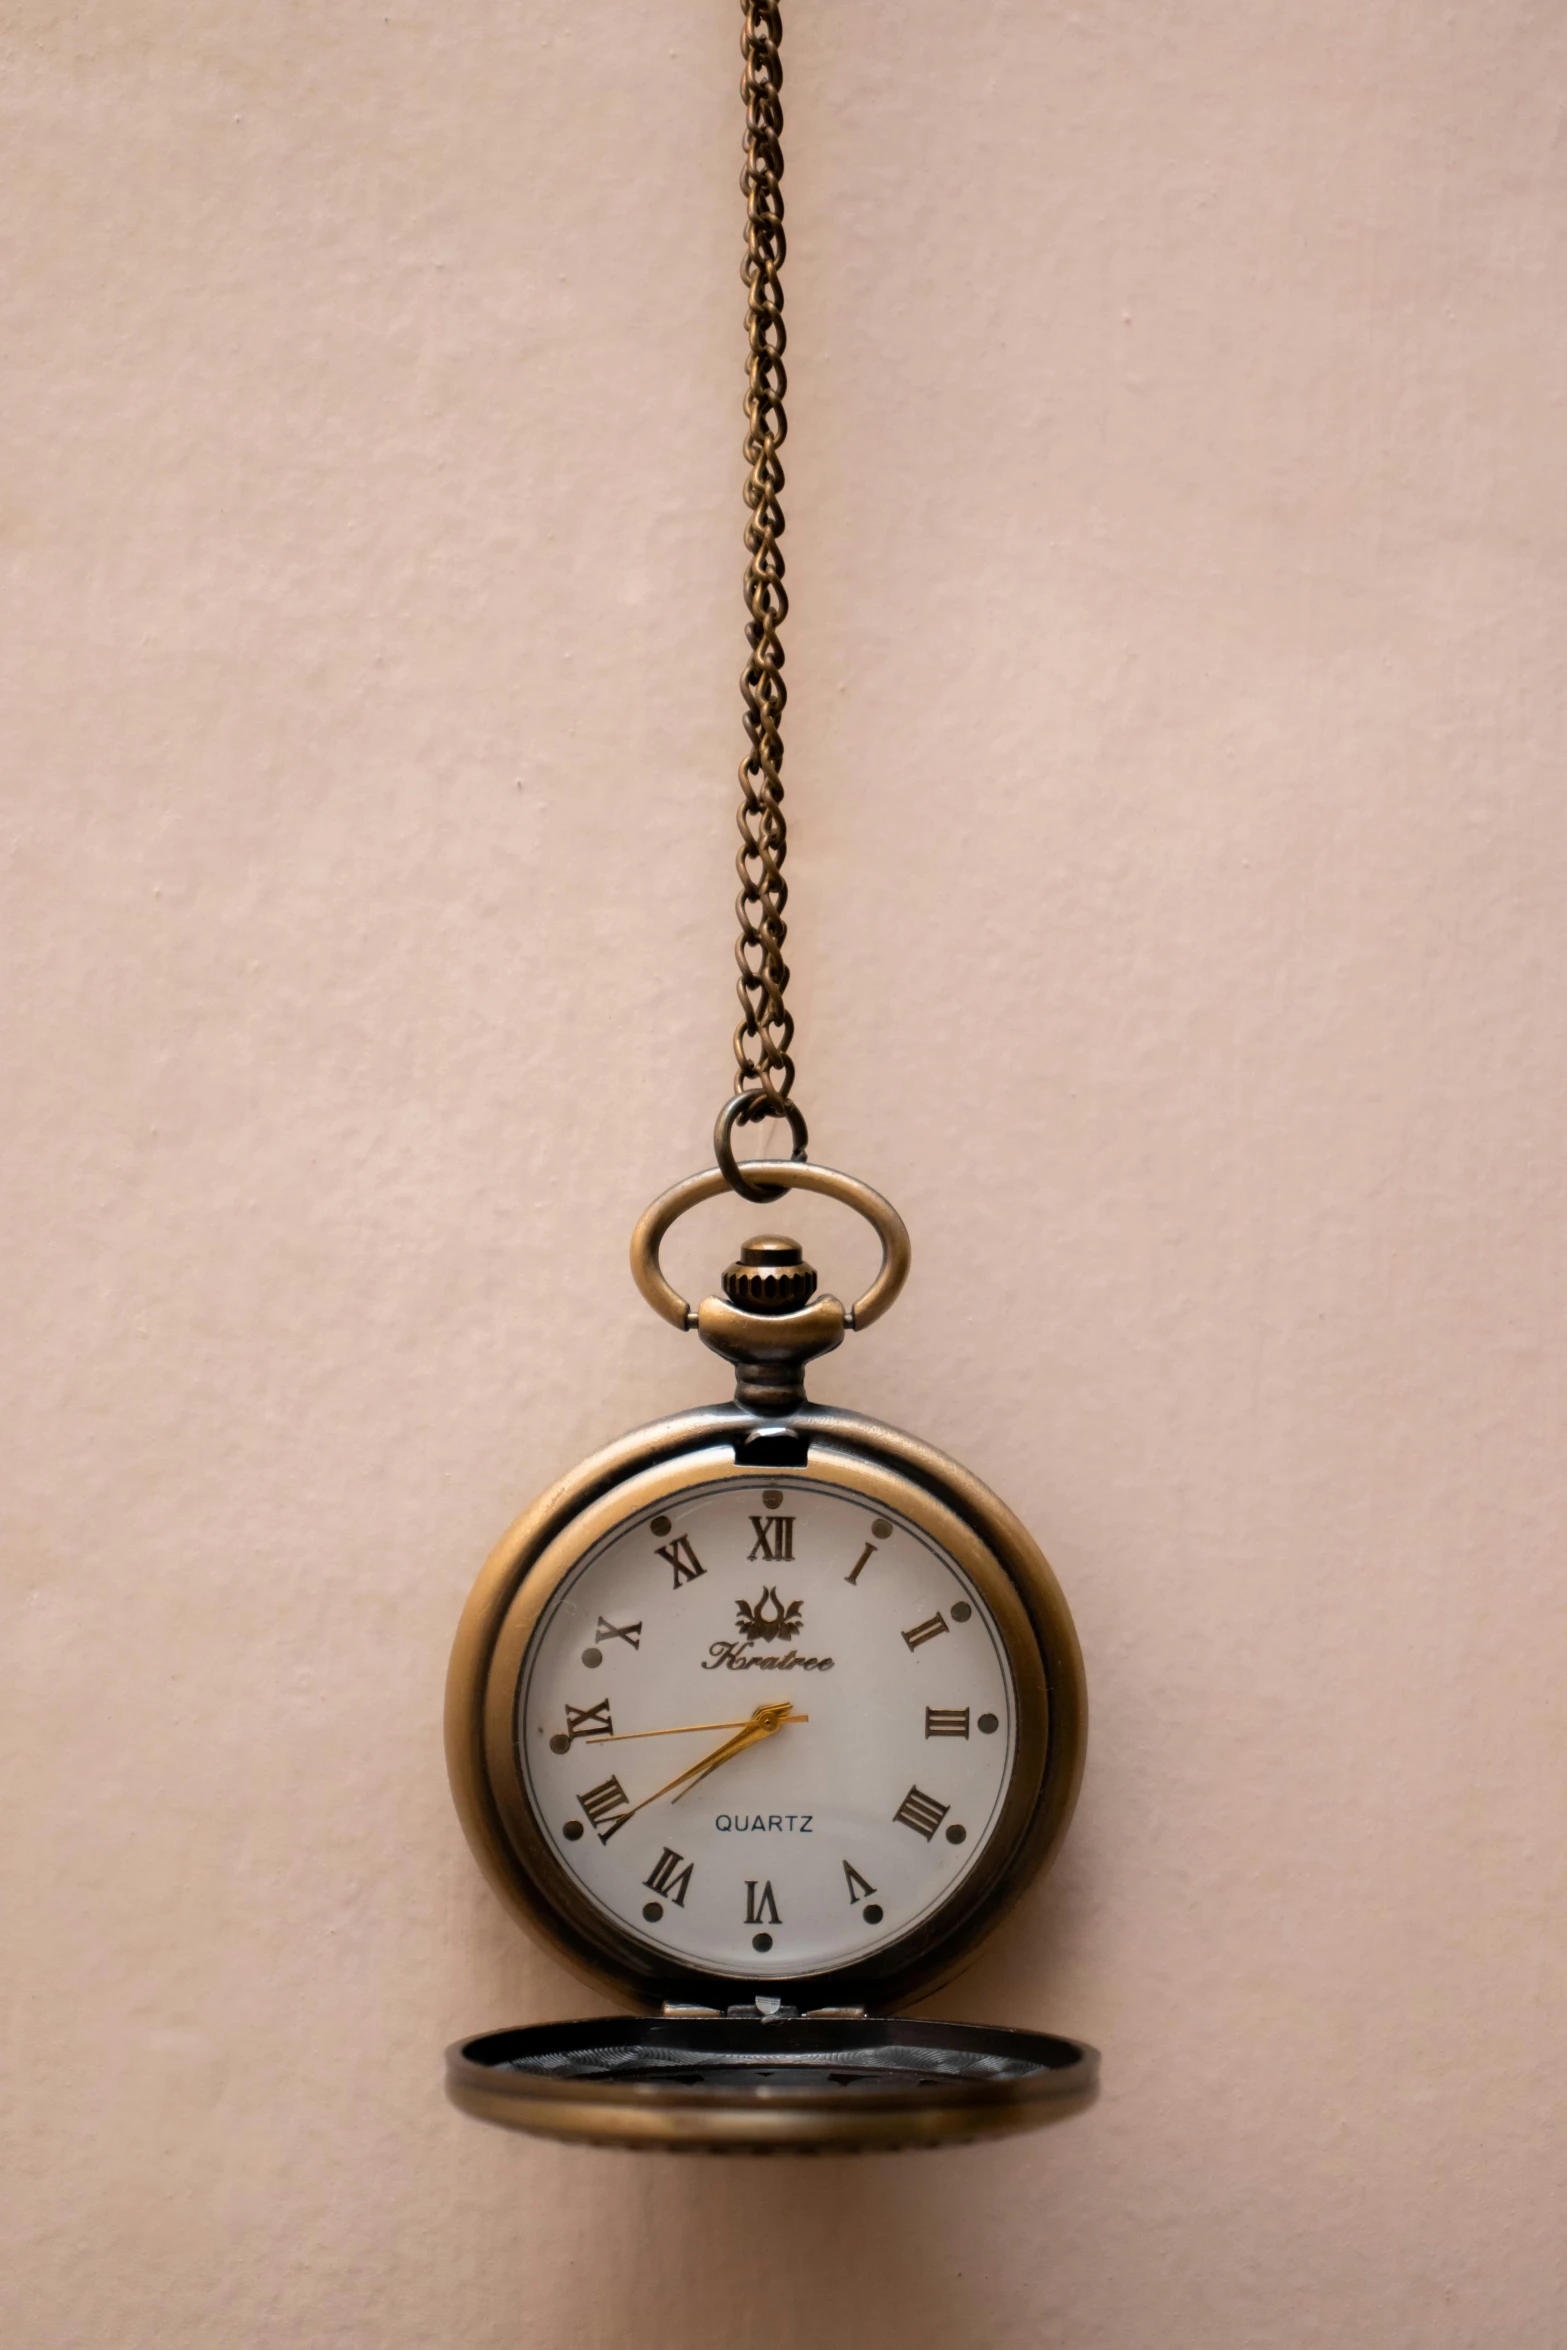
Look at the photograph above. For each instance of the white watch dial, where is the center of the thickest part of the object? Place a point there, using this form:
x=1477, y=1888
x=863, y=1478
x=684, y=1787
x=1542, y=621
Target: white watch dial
x=767, y=1726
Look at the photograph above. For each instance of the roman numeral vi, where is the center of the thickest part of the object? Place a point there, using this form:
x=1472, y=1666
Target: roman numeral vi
x=763, y=1912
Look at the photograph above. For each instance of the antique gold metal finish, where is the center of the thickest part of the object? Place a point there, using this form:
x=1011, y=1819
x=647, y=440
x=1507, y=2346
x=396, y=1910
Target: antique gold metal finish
x=768, y=1345
x=786, y=1175
x=736, y=1175
x=770, y=1276
x=819, y=2085
x=695, y=1450
x=764, y=1069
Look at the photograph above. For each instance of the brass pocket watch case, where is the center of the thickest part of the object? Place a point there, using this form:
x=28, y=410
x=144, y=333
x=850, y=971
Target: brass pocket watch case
x=892, y=1677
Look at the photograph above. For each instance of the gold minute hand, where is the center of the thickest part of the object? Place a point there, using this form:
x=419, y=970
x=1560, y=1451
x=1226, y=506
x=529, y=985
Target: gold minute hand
x=764, y=1721
x=681, y=1730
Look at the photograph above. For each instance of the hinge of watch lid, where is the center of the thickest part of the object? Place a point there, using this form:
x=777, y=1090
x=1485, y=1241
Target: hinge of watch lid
x=763, y=2009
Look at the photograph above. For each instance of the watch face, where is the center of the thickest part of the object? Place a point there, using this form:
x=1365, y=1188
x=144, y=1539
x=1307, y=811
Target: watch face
x=766, y=1725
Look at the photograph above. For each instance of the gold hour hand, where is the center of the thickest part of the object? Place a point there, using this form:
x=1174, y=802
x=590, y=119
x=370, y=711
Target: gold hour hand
x=763, y=1722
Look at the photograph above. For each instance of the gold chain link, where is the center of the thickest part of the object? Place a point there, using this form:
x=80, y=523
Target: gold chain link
x=766, y=1030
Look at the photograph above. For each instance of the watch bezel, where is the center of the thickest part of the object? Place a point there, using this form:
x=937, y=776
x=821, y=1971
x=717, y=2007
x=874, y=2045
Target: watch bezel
x=544, y=1546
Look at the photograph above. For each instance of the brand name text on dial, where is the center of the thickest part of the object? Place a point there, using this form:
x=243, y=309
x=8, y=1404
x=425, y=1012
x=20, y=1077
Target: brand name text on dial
x=735, y=1656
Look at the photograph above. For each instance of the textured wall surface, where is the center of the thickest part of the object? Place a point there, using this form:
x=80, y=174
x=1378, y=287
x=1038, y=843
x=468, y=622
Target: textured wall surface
x=1178, y=537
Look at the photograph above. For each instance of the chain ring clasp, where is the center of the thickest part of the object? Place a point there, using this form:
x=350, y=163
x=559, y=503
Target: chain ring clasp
x=743, y=1110
x=779, y=1176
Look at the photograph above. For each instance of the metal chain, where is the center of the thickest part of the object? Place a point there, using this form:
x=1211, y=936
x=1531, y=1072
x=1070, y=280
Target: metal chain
x=765, y=1071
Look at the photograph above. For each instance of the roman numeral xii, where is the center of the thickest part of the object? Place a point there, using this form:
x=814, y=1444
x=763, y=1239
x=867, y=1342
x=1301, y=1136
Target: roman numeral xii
x=774, y=1539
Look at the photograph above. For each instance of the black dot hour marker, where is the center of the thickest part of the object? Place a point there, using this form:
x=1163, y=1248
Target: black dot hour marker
x=560, y=1745
x=988, y=1722
x=761, y=1941
x=961, y=1611
x=881, y=1528
x=772, y=1501
x=661, y=1525
x=572, y=1831
x=956, y=1835
x=592, y=1657
x=652, y=1911
x=872, y=1913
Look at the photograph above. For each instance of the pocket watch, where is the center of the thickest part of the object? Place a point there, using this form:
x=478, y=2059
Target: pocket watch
x=760, y=1719
x=763, y=1716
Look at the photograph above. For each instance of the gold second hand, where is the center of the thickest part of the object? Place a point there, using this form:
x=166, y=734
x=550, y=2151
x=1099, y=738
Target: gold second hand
x=679, y=1730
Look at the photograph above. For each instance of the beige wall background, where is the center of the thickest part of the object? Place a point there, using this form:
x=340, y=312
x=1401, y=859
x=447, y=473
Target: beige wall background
x=1177, y=537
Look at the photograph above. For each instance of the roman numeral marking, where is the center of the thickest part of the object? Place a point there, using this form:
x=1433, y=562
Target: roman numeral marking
x=774, y=1539
x=868, y=1553
x=763, y=1912
x=859, y=1888
x=671, y=1877
x=588, y=1721
x=946, y=1721
x=607, y=1808
x=931, y=1629
x=683, y=1559
x=921, y=1812
x=631, y=1634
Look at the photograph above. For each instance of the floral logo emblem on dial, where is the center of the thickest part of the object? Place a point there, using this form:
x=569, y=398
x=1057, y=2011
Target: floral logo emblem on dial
x=769, y=1619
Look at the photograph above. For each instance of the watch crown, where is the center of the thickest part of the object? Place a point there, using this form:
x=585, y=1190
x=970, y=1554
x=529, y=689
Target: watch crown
x=771, y=1276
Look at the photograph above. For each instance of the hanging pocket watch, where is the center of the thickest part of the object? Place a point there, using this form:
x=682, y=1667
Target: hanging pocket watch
x=761, y=1719
x=764, y=1716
